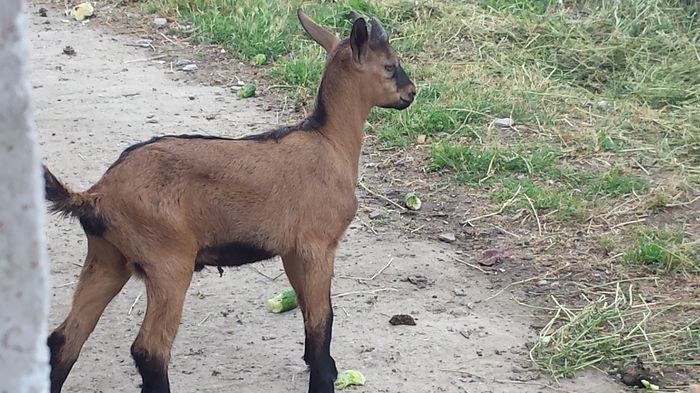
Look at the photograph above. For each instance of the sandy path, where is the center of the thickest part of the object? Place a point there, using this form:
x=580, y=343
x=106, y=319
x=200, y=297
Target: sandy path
x=91, y=106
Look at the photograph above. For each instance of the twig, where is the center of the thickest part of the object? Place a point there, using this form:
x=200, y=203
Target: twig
x=527, y=280
x=263, y=274
x=167, y=38
x=683, y=203
x=364, y=292
x=373, y=276
x=65, y=285
x=380, y=196
x=371, y=228
x=534, y=211
x=641, y=167
x=468, y=264
x=145, y=59
x=505, y=231
x=622, y=224
x=204, y=320
x=503, y=207
x=134, y=303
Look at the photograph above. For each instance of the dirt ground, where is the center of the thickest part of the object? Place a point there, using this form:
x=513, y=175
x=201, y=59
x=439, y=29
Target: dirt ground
x=92, y=105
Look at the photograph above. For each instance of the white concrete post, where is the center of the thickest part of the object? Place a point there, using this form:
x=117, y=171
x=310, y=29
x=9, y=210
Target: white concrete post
x=24, y=274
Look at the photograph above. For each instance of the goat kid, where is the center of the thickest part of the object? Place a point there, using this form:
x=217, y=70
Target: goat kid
x=174, y=204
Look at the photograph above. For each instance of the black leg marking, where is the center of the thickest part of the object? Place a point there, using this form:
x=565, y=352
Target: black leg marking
x=59, y=372
x=154, y=372
x=323, y=369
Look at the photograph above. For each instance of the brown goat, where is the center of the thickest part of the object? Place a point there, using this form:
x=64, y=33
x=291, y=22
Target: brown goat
x=174, y=204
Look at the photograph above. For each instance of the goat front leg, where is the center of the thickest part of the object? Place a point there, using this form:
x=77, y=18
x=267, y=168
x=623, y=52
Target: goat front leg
x=166, y=286
x=311, y=280
x=103, y=275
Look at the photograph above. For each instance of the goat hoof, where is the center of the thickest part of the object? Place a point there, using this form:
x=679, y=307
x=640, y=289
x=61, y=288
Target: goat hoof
x=322, y=377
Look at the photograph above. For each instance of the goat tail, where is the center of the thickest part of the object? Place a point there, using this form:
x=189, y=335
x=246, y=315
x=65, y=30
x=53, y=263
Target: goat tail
x=63, y=200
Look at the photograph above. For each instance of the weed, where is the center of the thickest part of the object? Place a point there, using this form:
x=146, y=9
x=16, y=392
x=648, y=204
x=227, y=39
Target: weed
x=662, y=250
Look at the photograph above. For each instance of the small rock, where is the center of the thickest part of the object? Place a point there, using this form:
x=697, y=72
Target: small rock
x=183, y=62
x=68, y=50
x=542, y=283
x=602, y=104
x=152, y=121
x=190, y=67
x=376, y=213
x=402, y=319
x=491, y=257
x=210, y=117
x=160, y=22
x=268, y=338
x=459, y=292
x=447, y=237
x=42, y=12
x=505, y=122
x=418, y=280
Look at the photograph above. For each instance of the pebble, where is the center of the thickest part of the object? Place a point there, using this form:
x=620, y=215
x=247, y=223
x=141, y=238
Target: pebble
x=376, y=213
x=505, y=122
x=190, y=67
x=447, y=237
x=459, y=292
x=160, y=22
x=183, y=62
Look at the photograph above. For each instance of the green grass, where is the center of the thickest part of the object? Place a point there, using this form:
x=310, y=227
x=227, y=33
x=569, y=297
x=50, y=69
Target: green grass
x=663, y=250
x=592, y=82
x=616, y=329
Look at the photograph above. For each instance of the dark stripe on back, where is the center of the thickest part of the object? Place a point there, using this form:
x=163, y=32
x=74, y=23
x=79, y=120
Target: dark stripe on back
x=312, y=123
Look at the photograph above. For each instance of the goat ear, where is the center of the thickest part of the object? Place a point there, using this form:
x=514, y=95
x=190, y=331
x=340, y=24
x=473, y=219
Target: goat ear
x=354, y=15
x=359, y=40
x=325, y=38
x=378, y=34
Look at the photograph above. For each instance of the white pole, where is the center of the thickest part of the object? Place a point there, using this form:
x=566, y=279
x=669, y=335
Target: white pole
x=24, y=273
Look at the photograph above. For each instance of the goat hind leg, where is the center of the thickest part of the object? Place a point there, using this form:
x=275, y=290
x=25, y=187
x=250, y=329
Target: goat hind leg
x=166, y=287
x=103, y=275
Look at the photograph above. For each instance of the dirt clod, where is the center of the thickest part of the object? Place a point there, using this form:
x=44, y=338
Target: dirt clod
x=402, y=319
x=68, y=50
x=491, y=257
x=42, y=12
x=634, y=373
x=418, y=280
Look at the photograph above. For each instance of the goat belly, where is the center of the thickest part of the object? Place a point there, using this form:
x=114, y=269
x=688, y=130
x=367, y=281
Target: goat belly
x=231, y=254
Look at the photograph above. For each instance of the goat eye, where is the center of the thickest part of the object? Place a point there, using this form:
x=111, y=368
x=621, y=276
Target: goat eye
x=390, y=68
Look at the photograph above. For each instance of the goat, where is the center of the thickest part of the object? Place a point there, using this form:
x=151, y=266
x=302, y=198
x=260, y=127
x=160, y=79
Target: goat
x=170, y=206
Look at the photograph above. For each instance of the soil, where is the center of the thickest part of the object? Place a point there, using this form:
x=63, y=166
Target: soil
x=111, y=93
